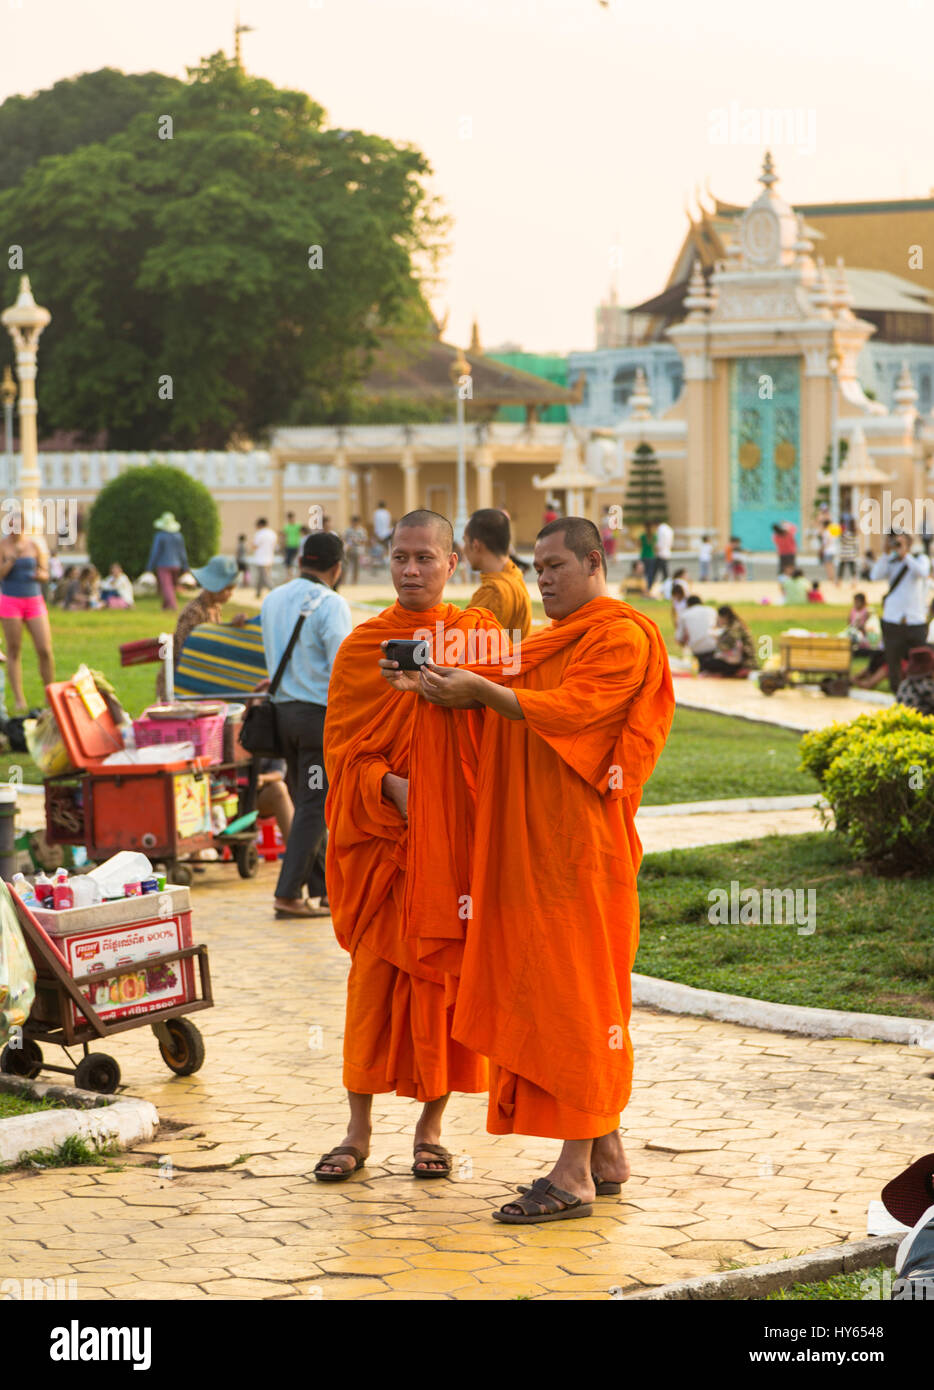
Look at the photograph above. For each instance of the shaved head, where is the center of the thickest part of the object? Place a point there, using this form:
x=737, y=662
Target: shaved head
x=421, y=558
x=580, y=536
x=432, y=520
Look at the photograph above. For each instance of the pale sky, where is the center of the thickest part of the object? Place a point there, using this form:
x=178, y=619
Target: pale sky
x=565, y=136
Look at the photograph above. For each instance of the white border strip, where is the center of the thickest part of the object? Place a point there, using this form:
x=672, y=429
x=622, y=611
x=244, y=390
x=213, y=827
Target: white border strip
x=676, y=998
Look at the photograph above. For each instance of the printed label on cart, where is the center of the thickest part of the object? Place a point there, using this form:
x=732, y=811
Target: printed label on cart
x=142, y=990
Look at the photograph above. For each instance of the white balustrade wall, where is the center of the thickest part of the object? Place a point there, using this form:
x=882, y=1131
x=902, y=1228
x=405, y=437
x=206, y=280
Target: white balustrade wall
x=225, y=474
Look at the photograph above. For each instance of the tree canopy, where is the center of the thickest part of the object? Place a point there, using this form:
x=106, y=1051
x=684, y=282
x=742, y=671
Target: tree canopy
x=200, y=283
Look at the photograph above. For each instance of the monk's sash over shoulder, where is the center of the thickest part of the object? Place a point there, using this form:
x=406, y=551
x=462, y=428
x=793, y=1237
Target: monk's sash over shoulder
x=437, y=908
x=367, y=733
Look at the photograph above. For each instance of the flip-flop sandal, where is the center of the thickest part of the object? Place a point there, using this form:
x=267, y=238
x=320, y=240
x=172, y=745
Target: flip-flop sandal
x=541, y=1203
x=438, y=1152
x=605, y=1188
x=358, y=1157
x=309, y=912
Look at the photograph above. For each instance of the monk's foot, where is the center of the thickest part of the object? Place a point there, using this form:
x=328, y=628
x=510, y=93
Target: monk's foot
x=426, y=1159
x=345, y=1163
x=608, y=1161
x=576, y=1182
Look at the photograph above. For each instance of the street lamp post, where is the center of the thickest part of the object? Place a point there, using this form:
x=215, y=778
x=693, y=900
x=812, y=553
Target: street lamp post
x=833, y=362
x=8, y=398
x=463, y=386
x=25, y=321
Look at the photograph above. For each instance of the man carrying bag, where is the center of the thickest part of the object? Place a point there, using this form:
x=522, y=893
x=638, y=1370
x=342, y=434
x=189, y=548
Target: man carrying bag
x=304, y=623
x=904, y=605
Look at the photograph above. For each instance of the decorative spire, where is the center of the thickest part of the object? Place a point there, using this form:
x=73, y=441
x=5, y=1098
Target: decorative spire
x=821, y=295
x=905, y=394
x=803, y=245
x=238, y=30
x=842, y=295
x=640, y=402
x=696, y=301
x=768, y=175
x=475, y=339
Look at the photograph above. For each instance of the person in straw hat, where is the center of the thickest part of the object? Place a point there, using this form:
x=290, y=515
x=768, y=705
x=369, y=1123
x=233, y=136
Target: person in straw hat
x=167, y=557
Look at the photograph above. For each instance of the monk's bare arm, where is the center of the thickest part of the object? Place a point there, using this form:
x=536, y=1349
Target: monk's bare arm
x=396, y=790
x=457, y=689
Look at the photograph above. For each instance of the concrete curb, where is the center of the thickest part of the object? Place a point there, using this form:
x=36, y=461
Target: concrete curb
x=759, y=1280
x=125, y=1121
x=806, y=802
x=675, y=998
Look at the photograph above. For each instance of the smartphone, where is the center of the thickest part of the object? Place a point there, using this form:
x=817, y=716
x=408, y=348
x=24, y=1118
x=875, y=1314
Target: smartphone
x=410, y=655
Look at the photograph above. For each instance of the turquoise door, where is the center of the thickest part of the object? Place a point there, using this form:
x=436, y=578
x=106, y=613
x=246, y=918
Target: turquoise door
x=765, y=447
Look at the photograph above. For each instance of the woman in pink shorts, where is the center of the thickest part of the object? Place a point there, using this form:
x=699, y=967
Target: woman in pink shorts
x=24, y=566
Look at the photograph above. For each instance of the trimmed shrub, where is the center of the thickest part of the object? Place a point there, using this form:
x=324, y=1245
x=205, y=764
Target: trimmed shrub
x=877, y=774
x=121, y=522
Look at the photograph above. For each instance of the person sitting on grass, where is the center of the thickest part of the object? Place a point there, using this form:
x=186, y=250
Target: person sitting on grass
x=735, y=652
x=696, y=628
x=792, y=583
x=917, y=688
x=116, y=589
x=862, y=626
x=814, y=593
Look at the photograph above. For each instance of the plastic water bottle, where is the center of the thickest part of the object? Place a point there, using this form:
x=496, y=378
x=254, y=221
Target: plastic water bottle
x=128, y=734
x=23, y=888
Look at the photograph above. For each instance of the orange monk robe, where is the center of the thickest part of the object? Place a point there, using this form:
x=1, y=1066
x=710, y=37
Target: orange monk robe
x=545, y=980
x=506, y=596
x=403, y=979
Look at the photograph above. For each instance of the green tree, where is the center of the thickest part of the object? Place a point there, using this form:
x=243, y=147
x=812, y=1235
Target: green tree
x=121, y=522
x=187, y=305
x=645, y=489
x=76, y=111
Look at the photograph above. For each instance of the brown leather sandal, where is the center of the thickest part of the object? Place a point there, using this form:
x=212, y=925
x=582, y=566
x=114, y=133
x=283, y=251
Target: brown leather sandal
x=542, y=1203
x=439, y=1152
x=358, y=1157
x=605, y=1186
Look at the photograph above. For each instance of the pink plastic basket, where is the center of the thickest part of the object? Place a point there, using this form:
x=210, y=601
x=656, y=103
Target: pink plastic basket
x=206, y=733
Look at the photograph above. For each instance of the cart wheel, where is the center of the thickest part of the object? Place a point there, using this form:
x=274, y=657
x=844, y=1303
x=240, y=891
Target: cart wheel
x=769, y=684
x=22, y=1061
x=247, y=860
x=97, y=1072
x=187, y=1054
x=835, y=685
x=181, y=874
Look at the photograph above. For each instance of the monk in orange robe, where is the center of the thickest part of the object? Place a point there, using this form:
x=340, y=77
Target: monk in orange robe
x=544, y=988
x=405, y=961
x=502, y=590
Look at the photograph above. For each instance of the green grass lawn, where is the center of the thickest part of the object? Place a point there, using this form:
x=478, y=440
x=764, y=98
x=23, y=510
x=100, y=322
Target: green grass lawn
x=11, y=1105
x=710, y=756
x=839, y=1286
x=872, y=950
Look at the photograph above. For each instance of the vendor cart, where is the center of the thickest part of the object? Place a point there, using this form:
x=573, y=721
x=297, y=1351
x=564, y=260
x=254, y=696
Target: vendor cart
x=815, y=657
x=114, y=955
x=160, y=809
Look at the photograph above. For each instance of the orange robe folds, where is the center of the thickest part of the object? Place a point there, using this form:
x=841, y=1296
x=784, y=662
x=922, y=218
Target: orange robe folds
x=506, y=596
x=545, y=980
x=405, y=959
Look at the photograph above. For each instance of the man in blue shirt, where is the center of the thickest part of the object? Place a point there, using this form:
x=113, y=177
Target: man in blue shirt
x=301, y=702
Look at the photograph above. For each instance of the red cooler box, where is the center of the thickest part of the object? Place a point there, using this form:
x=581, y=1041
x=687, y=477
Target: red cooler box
x=118, y=933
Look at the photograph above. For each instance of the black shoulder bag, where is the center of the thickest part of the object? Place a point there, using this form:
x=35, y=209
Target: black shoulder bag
x=259, y=733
